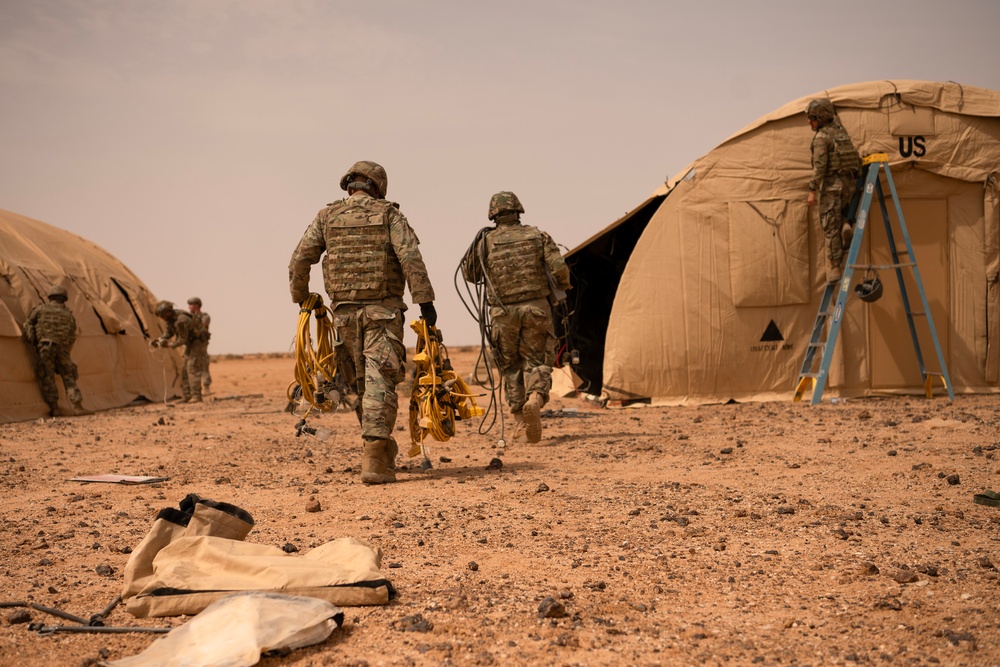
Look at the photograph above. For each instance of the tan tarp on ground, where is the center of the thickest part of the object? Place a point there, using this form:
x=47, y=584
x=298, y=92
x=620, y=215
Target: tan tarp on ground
x=719, y=296
x=192, y=572
x=113, y=310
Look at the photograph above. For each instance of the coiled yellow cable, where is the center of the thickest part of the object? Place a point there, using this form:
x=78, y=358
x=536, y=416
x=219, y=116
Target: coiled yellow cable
x=439, y=396
x=311, y=364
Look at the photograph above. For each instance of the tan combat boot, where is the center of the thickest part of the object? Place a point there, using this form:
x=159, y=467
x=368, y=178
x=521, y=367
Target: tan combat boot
x=373, y=463
x=532, y=413
x=391, y=450
x=846, y=236
x=80, y=410
x=833, y=272
x=519, y=427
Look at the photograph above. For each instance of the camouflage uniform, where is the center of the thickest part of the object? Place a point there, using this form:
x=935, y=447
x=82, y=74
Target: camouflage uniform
x=835, y=163
x=202, y=358
x=371, y=254
x=514, y=260
x=184, y=329
x=51, y=328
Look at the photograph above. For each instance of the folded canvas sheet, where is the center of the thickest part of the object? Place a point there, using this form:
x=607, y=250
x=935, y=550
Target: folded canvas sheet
x=192, y=572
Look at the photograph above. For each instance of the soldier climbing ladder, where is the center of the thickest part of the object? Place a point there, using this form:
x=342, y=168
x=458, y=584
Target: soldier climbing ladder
x=868, y=186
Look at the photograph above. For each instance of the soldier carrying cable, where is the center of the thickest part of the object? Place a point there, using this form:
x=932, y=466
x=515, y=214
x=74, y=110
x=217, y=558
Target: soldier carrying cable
x=516, y=262
x=371, y=255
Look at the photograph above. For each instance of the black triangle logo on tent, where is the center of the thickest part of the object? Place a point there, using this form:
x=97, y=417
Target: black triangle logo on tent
x=771, y=333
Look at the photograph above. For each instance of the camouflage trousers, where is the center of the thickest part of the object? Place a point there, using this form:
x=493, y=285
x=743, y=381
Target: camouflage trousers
x=371, y=337
x=834, y=200
x=524, y=340
x=202, y=361
x=192, y=368
x=53, y=359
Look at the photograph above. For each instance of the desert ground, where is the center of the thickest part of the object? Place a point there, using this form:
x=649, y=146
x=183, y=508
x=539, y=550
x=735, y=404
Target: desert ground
x=742, y=534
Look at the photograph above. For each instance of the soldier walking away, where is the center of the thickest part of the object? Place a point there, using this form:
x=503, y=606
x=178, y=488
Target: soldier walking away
x=520, y=265
x=203, y=359
x=51, y=329
x=372, y=253
x=835, y=163
x=184, y=329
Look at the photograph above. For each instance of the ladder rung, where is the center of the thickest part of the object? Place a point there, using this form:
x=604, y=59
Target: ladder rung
x=822, y=344
x=808, y=375
x=883, y=267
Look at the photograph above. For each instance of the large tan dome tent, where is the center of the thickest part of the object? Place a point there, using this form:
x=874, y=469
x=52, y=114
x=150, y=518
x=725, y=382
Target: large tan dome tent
x=114, y=315
x=708, y=291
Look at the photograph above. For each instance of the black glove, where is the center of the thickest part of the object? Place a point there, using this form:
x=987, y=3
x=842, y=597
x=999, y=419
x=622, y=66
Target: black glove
x=428, y=313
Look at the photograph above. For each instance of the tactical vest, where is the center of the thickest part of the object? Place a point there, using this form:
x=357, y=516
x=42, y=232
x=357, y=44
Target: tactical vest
x=516, y=258
x=844, y=158
x=360, y=264
x=198, y=330
x=55, y=323
x=186, y=326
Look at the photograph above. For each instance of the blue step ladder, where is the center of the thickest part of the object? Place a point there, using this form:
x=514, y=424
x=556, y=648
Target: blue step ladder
x=835, y=294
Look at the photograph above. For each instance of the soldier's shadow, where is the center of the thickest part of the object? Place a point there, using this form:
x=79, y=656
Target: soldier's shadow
x=464, y=472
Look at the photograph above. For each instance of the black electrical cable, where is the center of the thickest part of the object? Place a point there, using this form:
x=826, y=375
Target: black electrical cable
x=478, y=307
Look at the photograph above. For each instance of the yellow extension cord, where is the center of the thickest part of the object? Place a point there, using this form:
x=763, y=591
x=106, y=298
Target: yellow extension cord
x=438, y=397
x=311, y=363
x=438, y=392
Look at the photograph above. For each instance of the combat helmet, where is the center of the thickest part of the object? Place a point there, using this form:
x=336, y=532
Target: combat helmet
x=504, y=202
x=194, y=301
x=821, y=110
x=164, y=308
x=58, y=292
x=869, y=289
x=366, y=175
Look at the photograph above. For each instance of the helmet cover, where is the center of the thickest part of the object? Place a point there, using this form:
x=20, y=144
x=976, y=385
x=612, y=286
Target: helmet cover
x=58, y=292
x=373, y=175
x=504, y=202
x=821, y=110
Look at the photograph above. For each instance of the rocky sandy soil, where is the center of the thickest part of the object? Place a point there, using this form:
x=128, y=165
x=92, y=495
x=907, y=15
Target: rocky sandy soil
x=753, y=534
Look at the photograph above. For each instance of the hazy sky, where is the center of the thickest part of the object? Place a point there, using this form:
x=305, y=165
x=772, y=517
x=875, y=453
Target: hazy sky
x=196, y=139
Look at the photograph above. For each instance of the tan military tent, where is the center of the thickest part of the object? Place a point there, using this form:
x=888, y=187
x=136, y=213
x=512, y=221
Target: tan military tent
x=709, y=289
x=114, y=315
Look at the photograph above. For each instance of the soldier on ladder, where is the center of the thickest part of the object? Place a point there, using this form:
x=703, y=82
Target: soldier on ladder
x=835, y=293
x=836, y=164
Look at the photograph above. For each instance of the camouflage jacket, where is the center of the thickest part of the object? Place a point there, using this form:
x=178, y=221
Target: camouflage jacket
x=51, y=321
x=201, y=323
x=833, y=154
x=370, y=249
x=184, y=328
x=515, y=260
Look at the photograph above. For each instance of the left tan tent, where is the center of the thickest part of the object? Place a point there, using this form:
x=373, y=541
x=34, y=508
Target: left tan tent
x=114, y=315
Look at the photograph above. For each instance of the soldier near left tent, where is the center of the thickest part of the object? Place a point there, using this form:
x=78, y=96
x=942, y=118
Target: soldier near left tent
x=51, y=329
x=184, y=329
x=203, y=360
